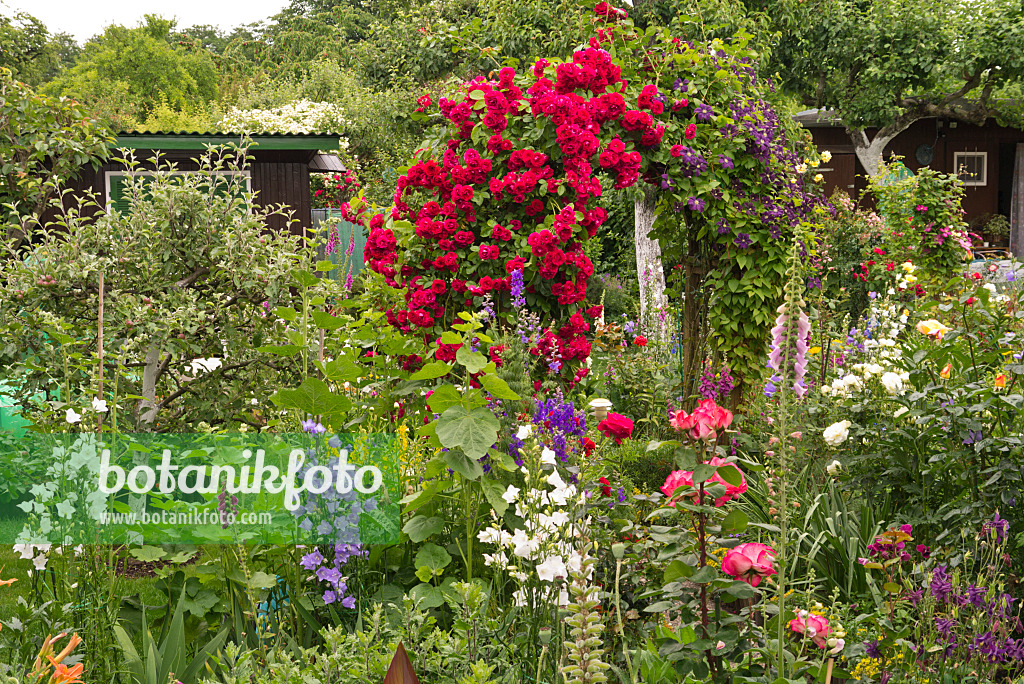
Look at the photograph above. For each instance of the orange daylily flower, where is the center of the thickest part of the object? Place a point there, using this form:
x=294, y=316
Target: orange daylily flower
x=945, y=372
x=7, y=583
x=67, y=675
x=1000, y=380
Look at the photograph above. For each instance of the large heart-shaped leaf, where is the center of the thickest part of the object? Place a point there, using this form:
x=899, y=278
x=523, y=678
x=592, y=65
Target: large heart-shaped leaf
x=313, y=396
x=421, y=527
x=473, y=431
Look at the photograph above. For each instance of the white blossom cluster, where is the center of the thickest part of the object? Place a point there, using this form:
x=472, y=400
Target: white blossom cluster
x=545, y=544
x=881, y=353
x=301, y=116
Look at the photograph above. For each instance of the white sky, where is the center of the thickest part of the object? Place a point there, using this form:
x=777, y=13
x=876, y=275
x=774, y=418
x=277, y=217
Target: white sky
x=85, y=18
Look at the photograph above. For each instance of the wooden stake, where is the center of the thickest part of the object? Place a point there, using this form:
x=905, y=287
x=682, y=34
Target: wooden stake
x=99, y=353
x=400, y=671
x=828, y=673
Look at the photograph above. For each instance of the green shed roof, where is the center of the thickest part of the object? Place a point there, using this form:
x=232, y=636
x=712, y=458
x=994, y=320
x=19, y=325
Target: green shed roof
x=185, y=140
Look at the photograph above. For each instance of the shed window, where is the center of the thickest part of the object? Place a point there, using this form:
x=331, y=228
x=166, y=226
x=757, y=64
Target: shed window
x=971, y=167
x=116, y=182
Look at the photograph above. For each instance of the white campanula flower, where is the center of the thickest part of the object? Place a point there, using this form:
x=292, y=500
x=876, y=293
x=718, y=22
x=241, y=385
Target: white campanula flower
x=833, y=468
x=511, y=494
x=551, y=568
x=837, y=433
x=489, y=535
x=99, y=405
x=900, y=411
x=524, y=431
x=547, y=456
x=72, y=417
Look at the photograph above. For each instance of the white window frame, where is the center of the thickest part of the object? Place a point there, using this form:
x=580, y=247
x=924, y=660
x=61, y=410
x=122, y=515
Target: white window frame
x=983, y=180
x=109, y=174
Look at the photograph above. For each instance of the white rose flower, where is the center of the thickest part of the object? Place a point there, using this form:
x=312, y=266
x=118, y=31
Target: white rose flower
x=990, y=287
x=837, y=433
x=892, y=382
x=833, y=468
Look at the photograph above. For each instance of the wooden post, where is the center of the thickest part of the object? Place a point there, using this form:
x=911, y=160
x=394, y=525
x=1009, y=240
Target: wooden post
x=828, y=673
x=99, y=353
x=400, y=671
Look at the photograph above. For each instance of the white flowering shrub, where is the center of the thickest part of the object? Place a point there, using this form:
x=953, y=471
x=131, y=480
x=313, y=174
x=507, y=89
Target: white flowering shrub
x=301, y=116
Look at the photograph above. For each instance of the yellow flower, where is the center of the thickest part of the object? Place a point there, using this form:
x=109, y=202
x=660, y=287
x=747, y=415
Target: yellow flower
x=1001, y=380
x=826, y=156
x=818, y=178
x=946, y=371
x=801, y=168
x=813, y=163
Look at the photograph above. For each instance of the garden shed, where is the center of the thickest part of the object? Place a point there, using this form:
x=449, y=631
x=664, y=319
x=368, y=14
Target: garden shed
x=989, y=158
x=278, y=169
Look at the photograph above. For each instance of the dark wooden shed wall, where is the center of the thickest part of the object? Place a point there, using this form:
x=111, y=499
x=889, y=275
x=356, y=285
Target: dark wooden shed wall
x=278, y=177
x=979, y=201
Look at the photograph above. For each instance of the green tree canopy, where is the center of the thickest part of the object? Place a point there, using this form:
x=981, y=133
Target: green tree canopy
x=125, y=73
x=884, y=64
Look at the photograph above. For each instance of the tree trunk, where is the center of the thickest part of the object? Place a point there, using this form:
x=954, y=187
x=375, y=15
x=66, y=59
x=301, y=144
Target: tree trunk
x=650, y=273
x=870, y=152
x=146, y=410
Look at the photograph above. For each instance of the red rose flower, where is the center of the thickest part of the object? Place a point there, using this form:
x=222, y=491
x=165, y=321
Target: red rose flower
x=640, y=341
x=617, y=427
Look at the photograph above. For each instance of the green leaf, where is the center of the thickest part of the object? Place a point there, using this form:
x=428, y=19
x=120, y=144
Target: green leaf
x=468, y=467
x=313, y=397
x=444, y=397
x=148, y=554
x=731, y=474
x=704, y=575
x=702, y=472
x=425, y=595
x=280, y=349
x=736, y=521
x=327, y=321
x=304, y=278
x=497, y=387
x=450, y=337
x=434, y=369
x=891, y=587
x=474, y=431
x=492, y=492
x=677, y=570
x=471, y=360
x=433, y=557
x=261, y=580
x=325, y=266
x=341, y=369
x=421, y=527
x=286, y=312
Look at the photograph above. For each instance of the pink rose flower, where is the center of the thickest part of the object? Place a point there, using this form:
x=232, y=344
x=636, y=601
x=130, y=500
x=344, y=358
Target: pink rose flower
x=678, y=478
x=749, y=562
x=704, y=422
x=813, y=626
